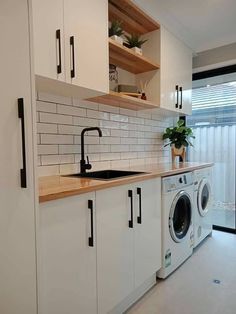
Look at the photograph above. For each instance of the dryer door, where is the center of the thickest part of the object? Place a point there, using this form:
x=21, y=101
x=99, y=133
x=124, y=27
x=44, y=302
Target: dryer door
x=203, y=197
x=180, y=216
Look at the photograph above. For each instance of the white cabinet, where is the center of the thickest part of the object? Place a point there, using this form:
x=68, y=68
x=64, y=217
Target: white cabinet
x=67, y=259
x=175, y=74
x=17, y=207
x=128, y=249
x=70, y=42
x=48, y=33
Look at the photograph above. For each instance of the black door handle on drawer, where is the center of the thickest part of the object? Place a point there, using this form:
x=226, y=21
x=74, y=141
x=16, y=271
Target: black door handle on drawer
x=21, y=116
x=58, y=37
x=139, y=218
x=91, y=238
x=72, y=44
x=177, y=96
x=131, y=221
x=181, y=97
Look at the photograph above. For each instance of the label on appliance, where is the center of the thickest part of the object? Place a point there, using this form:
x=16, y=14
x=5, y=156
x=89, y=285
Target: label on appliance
x=168, y=258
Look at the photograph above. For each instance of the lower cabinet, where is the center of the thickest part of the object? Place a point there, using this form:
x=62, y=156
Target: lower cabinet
x=67, y=264
x=128, y=239
x=90, y=259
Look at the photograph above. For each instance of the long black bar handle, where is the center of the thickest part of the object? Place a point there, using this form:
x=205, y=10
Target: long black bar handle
x=181, y=97
x=91, y=238
x=139, y=218
x=21, y=116
x=58, y=37
x=131, y=221
x=177, y=96
x=72, y=44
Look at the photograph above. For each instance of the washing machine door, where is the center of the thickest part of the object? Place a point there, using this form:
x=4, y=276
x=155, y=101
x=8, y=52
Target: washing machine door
x=203, y=197
x=180, y=217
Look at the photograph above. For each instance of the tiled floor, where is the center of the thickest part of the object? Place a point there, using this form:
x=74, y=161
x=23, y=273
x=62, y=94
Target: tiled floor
x=190, y=289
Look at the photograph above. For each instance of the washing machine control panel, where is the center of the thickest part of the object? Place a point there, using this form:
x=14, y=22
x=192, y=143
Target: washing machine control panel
x=177, y=182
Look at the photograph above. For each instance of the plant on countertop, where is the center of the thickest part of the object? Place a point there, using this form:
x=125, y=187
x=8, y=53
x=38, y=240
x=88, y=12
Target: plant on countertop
x=116, y=29
x=178, y=135
x=134, y=41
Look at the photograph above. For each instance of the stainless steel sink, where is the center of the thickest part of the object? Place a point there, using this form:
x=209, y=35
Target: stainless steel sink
x=106, y=174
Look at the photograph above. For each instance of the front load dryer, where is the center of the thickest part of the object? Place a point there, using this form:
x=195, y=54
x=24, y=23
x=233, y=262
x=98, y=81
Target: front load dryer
x=177, y=227
x=202, y=215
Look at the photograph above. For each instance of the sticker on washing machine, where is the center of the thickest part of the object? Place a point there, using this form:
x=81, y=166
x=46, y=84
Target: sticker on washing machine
x=191, y=239
x=167, y=258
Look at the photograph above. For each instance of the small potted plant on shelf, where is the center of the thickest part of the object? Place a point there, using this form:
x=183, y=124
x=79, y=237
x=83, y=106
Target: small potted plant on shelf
x=134, y=42
x=179, y=138
x=116, y=31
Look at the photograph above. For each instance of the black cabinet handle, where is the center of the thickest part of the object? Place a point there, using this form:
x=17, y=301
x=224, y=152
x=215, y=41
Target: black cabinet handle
x=21, y=116
x=181, y=97
x=72, y=44
x=58, y=37
x=177, y=96
x=91, y=238
x=131, y=221
x=139, y=218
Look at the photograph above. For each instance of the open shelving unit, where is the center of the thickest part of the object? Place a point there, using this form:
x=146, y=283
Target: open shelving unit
x=128, y=60
x=138, y=67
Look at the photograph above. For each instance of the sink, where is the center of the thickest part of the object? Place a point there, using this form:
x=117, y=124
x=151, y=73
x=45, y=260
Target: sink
x=106, y=174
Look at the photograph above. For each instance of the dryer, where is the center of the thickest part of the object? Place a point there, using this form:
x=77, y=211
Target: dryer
x=202, y=216
x=177, y=227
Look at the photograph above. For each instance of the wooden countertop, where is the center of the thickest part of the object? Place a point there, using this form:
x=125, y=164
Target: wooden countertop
x=56, y=187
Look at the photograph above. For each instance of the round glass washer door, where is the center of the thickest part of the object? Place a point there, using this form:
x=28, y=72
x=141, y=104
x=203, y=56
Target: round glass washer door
x=203, y=197
x=180, y=217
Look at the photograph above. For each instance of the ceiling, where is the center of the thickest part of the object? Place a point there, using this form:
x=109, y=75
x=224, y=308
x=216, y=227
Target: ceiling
x=201, y=24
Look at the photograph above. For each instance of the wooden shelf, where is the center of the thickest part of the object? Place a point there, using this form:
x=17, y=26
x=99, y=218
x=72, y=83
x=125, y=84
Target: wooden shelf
x=128, y=60
x=134, y=20
x=120, y=100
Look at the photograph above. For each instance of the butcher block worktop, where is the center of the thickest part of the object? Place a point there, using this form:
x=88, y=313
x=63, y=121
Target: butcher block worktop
x=56, y=187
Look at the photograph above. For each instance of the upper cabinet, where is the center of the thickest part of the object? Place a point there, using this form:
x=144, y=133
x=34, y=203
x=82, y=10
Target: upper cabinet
x=175, y=74
x=70, y=42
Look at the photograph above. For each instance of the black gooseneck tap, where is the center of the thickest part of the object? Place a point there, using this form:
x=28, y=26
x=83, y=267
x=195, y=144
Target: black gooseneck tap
x=83, y=165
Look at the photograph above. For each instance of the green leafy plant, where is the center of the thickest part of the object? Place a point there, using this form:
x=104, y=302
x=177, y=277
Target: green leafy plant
x=178, y=135
x=116, y=29
x=134, y=41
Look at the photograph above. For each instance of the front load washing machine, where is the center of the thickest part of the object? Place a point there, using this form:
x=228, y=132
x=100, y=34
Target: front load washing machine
x=177, y=227
x=202, y=216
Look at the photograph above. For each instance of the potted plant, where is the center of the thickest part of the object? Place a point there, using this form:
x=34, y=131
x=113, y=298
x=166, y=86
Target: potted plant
x=134, y=42
x=116, y=31
x=179, y=138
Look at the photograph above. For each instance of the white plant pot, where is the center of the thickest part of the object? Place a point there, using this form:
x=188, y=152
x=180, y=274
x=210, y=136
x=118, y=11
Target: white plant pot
x=137, y=50
x=118, y=39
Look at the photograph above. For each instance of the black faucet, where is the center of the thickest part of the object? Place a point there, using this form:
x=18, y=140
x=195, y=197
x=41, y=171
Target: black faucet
x=83, y=164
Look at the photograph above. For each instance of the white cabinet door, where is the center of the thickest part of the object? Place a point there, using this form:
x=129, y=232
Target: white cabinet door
x=17, y=221
x=147, y=230
x=115, y=244
x=86, y=43
x=67, y=264
x=176, y=74
x=48, y=26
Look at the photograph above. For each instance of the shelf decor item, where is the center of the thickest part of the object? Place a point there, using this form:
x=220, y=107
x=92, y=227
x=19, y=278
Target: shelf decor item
x=143, y=89
x=134, y=42
x=179, y=138
x=116, y=32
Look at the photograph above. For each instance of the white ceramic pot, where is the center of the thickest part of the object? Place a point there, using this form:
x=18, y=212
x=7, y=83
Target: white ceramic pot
x=137, y=50
x=118, y=39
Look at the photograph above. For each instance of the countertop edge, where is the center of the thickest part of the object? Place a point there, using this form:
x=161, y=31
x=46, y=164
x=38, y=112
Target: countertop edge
x=114, y=183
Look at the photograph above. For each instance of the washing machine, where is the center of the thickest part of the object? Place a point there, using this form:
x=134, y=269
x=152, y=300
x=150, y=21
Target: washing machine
x=177, y=226
x=202, y=215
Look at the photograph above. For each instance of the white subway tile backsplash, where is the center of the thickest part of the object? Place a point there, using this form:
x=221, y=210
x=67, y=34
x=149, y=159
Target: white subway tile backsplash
x=71, y=111
x=47, y=128
x=129, y=137
x=46, y=106
x=56, y=139
x=55, y=118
